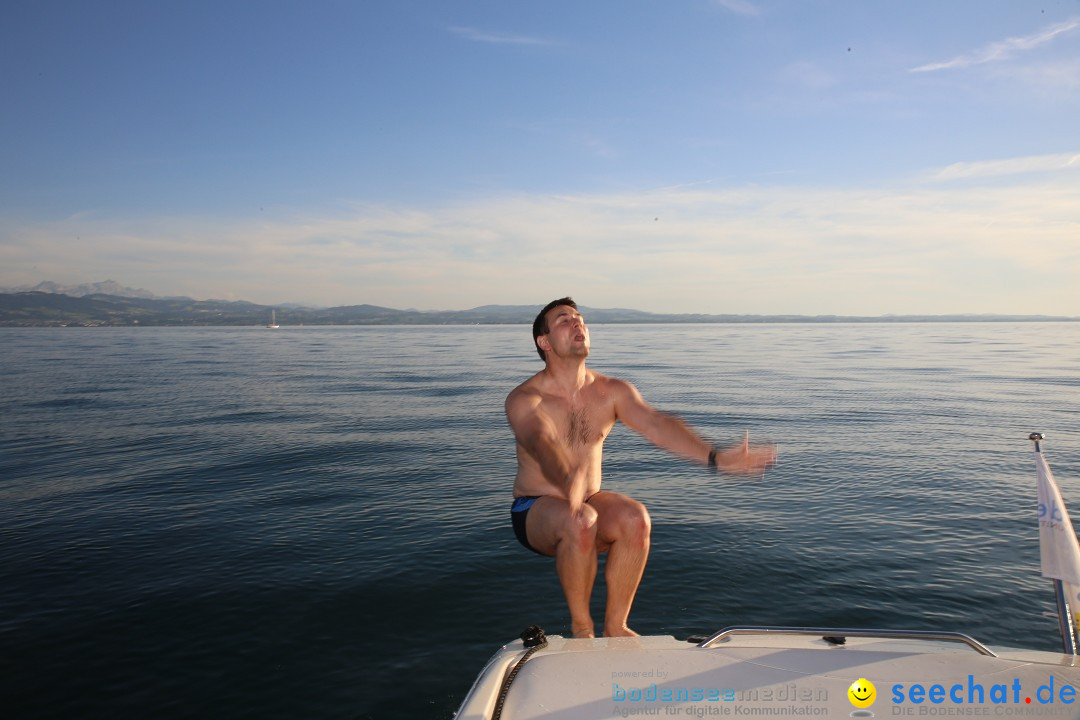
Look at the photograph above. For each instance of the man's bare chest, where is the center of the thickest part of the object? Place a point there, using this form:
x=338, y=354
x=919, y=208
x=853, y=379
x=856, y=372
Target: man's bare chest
x=581, y=424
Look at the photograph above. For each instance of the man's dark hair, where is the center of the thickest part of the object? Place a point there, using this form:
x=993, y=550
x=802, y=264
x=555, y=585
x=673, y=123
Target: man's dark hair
x=540, y=326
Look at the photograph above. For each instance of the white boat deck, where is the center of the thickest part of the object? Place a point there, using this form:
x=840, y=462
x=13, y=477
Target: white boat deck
x=773, y=675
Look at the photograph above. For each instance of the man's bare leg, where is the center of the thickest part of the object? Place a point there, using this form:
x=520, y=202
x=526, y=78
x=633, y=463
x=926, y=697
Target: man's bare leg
x=577, y=572
x=624, y=527
x=572, y=540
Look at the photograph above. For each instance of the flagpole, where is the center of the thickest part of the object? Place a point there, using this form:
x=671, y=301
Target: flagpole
x=1065, y=617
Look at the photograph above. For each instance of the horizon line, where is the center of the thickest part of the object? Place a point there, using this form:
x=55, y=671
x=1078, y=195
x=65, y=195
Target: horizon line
x=662, y=317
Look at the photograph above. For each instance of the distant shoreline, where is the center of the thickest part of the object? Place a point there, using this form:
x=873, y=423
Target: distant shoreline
x=284, y=326
x=46, y=309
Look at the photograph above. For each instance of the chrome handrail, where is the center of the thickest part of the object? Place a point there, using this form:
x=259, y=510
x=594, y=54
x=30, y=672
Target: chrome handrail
x=848, y=632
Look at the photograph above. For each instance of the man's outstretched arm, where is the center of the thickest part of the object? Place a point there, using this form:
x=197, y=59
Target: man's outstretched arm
x=672, y=434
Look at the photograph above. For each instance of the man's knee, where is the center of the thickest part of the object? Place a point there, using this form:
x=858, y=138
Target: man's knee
x=637, y=525
x=624, y=520
x=580, y=529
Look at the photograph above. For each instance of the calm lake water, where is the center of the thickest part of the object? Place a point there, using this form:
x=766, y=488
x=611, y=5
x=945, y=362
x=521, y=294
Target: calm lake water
x=313, y=522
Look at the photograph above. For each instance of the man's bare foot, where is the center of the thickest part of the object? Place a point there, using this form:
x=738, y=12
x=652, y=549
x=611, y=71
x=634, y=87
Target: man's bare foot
x=583, y=631
x=618, y=631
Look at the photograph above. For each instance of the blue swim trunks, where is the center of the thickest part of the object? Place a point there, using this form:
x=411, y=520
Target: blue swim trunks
x=519, y=511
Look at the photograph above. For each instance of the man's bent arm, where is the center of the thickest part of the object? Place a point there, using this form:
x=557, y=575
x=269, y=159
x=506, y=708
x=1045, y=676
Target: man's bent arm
x=535, y=432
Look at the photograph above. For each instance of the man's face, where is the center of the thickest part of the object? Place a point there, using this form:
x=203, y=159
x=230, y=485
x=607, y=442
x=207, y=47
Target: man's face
x=567, y=334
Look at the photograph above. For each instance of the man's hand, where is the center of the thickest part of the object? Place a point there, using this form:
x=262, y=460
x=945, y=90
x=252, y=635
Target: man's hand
x=575, y=492
x=746, y=459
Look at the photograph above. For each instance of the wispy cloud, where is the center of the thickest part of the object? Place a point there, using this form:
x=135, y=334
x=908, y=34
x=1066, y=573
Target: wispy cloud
x=1008, y=166
x=755, y=249
x=1049, y=78
x=681, y=186
x=1003, y=49
x=739, y=7
x=495, y=38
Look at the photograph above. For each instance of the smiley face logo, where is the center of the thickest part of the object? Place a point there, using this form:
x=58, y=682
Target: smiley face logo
x=862, y=693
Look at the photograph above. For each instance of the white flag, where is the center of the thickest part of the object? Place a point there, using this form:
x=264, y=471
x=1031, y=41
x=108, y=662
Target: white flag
x=1057, y=539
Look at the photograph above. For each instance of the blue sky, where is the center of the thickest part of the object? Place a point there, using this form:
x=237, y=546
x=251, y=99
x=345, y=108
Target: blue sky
x=748, y=156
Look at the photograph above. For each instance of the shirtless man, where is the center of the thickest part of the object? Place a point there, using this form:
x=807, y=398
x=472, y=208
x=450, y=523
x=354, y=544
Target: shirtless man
x=560, y=418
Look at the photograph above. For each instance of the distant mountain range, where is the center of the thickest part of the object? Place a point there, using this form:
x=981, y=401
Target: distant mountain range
x=109, y=287
x=90, y=305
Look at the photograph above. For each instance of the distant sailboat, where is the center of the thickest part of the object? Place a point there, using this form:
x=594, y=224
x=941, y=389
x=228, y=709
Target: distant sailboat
x=273, y=320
